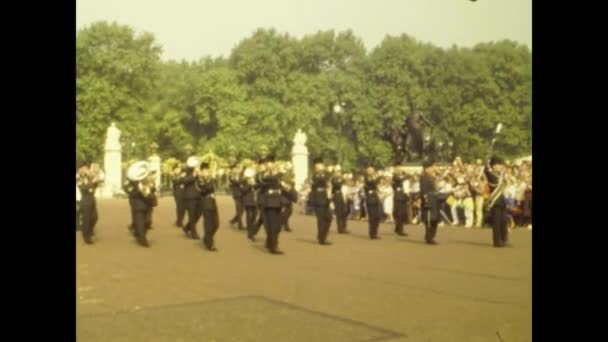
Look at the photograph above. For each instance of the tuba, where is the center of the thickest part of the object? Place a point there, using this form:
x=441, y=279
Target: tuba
x=138, y=172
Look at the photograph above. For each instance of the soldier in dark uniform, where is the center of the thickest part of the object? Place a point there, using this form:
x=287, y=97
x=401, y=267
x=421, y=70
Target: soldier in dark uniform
x=340, y=207
x=272, y=205
x=235, y=188
x=260, y=189
x=87, y=184
x=208, y=206
x=496, y=204
x=128, y=187
x=320, y=200
x=178, y=195
x=400, y=200
x=372, y=200
x=151, y=200
x=192, y=198
x=249, y=200
x=142, y=198
x=289, y=197
x=429, y=202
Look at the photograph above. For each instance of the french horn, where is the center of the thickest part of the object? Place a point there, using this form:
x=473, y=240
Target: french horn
x=138, y=171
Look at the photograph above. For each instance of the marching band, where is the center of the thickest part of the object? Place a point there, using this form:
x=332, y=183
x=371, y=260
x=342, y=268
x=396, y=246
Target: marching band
x=267, y=194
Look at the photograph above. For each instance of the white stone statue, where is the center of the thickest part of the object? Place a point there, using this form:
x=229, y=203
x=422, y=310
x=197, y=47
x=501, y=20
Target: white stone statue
x=299, y=158
x=300, y=138
x=112, y=163
x=113, y=138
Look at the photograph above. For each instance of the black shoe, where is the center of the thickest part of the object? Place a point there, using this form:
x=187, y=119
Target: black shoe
x=401, y=233
x=179, y=225
x=195, y=236
x=211, y=248
x=375, y=238
x=88, y=241
x=432, y=242
x=276, y=251
x=144, y=243
x=251, y=237
x=288, y=230
x=325, y=243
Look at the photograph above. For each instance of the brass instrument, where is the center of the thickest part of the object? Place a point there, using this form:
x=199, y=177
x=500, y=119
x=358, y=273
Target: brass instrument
x=193, y=162
x=141, y=173
x=249, y=175
x=286, y=186
x=144, y=188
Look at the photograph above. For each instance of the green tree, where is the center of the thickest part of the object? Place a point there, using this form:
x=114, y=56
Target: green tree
x=116, y=71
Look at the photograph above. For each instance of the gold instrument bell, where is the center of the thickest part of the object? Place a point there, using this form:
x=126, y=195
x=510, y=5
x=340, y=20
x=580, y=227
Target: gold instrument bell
x=138, y=171
x=193, y=162
x=249, y=172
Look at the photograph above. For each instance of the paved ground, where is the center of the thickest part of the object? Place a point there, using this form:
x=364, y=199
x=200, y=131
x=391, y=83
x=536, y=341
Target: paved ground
x=393, y=289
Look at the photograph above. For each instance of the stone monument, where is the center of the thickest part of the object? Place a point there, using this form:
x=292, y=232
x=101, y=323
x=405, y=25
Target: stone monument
x=112, y=164
x=154, y=160
x=299, y=159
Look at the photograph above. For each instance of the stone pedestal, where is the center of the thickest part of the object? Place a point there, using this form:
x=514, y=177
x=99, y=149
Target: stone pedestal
x=299, y=159
x=112, y=163
x=155, y=165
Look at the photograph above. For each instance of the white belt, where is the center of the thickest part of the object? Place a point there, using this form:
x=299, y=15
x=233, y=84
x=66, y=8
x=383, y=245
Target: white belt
x=274, y=191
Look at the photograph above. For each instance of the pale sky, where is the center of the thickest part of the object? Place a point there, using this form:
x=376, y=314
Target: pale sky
x=192, y=29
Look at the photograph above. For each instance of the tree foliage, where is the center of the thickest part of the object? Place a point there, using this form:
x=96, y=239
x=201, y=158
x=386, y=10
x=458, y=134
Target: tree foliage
x=254, y=100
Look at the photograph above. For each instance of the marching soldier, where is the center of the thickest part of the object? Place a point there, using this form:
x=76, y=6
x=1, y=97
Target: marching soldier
x=151, y=199
x=429, y=202
x=78, y=212
x=400, y=199
x=272, y=205
x=142, y=197
x=338, y=199
x=496, y=204
x=178, y=195
x=320, y=200
x=208, y=206
x=191, y=197
x=372, y=200
x=289, y=197
x=235, y=187
x=87, y=184
x=249, y=200
x=128, y=186
x=260, y=189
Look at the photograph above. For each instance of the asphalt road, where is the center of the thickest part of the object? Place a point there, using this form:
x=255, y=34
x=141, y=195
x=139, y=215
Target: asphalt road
x=393, y=289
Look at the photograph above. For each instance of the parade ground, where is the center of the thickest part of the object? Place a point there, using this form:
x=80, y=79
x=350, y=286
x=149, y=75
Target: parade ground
x=393, y=289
